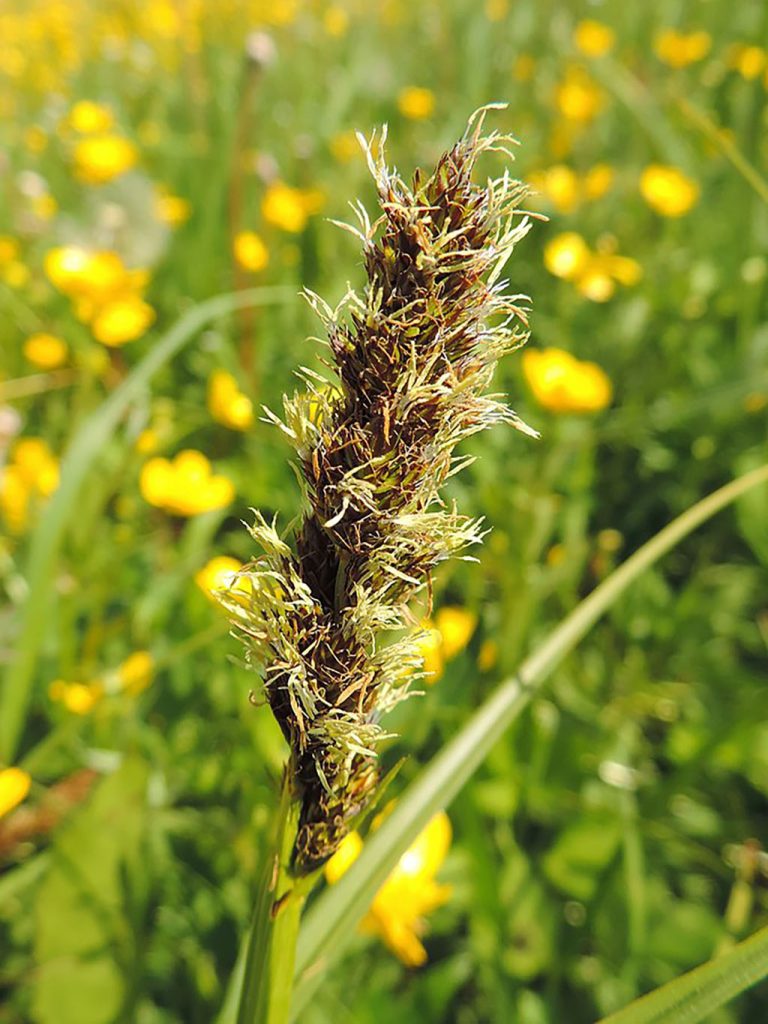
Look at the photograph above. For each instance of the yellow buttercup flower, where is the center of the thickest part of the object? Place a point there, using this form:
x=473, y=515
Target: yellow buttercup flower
x=122, y=320
x=560, y=185
x=107, y=294
x=9, y=249
x=136, y=672
x=15, y=784
x=345, y=147
x=595, y=274
x=250, y=251
x=99, y=159
x=562, y=383
x=78, y=698
x=218, y=574
x=89, y=118
x=397, y=914
x=289, y=208
x=456, y=626
x=668, y=191
x=45, y=351
x=416, y=103
x=749, y=61
x=170, y=209
x=578, y=97
x=83, y=273
x=184, y=486
x=226, y=402
x=431, y=651
x=443, y=638
x=598, y=180
x=336, y=21
x=37, y=464
x=679, y=49
x=566, y=255
x=594, y=38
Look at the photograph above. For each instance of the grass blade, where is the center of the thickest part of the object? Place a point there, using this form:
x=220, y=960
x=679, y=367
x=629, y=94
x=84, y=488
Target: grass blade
x=693, y=996
x=80, y=457
x=332, y=919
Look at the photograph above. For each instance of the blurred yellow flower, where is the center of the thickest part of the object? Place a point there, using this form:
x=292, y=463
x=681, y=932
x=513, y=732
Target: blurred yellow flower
x=85, y=274
x=36, y=139
x=598, y=180
x=107, y=295
x=147, y=441
x=136, y=672
x=578, y=97
x=562, y=383
x=595, y=274
x=488, y=655
x=345, y=147
x=185, y=485
x=15, y=274
x=122, y=320
x=431, y=651
x=45, y=351
x=32, y=473
x=79, y=698
x=226, y=402
x=101, y=158
x=410, y=892
x=170, y=209
x=289, y=208
x=559, y=185
x=456, y=626
x=9, y=249
x=250, y=251
x=566, y=255
x=416, y=103
x=444, y=638
x=335, y=21
x=562, y=187
x=89, y=118
x=679, y=49
x=15, y=784
x=749, y=61
x=593, y=38
x=218, y=574
x=667, y=190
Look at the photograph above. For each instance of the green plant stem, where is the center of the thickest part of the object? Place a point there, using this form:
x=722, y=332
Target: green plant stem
x=265, y=997
x=333, y=918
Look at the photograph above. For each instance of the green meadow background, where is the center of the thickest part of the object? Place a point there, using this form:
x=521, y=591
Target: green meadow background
x=614, y=838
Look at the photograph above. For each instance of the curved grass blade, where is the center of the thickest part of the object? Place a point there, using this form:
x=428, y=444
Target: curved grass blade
x=331, y=921
x=80, y=457
x=694, y=996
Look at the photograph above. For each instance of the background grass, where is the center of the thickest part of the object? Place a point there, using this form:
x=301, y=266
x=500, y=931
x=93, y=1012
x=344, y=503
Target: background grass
x=601, y=848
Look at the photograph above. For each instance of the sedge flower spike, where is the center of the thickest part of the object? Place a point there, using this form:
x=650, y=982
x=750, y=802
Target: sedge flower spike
x=327, y=619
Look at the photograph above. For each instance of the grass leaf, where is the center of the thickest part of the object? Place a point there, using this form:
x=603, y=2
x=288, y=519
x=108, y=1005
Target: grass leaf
x=693, y=996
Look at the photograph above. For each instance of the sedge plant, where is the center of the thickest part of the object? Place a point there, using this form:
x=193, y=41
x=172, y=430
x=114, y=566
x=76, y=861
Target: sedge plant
x=327, y=618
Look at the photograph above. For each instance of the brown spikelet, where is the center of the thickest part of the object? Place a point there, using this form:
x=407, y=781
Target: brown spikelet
x=414, y=357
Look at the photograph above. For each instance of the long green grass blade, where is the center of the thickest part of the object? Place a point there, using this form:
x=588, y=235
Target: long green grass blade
x=332, y=919
x=80, y=457
x=693, y=996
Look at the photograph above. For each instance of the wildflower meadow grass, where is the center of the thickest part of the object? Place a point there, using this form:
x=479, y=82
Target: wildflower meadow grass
x=173, y=175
